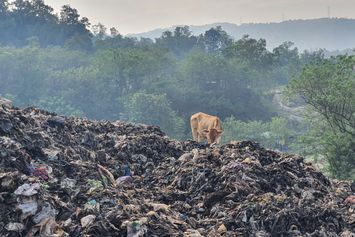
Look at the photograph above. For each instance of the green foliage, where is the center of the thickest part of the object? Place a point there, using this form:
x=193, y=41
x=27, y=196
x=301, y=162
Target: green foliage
x=215, y=40
x=59, y=106
x=217, y=85
x=33, y=18
x=274, y=134
x=22, y=78
x=340, y=153
x=250, y=51
x=178, y=42
x=333, y=150
x=327, y=86
x=193, y=75
x=156, y=110
x=131, y=69
x=287, y=61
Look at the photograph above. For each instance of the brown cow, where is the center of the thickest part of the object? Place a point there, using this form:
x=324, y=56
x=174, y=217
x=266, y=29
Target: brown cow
x=206, y=126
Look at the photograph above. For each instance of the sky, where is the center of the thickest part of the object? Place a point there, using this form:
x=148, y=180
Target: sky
x=137, y=16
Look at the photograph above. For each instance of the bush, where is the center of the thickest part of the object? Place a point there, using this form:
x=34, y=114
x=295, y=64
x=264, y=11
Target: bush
x=274, y=134
x=154, y=109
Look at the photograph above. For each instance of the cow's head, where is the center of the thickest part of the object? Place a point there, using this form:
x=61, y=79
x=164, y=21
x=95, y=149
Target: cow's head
x=213, y=135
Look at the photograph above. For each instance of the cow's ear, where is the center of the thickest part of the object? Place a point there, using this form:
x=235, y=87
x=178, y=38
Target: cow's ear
x=220, y=131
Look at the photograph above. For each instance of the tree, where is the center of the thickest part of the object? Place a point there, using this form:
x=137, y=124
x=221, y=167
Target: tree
x=274, y=134
x=114, y=32
x=21, y=74
x=41, y=10
x=215, y=40
x=210, y=83
x=179, y=42
x=331, y=150
x=99, y=31
x=130, y=70
x=116, y=41
x=286, y=62
x=33, y=18
x=286, y=54
x=327, y=86
x=154, y=109
x=3, y=8
x=308, y=57
x=79, y=42
x=75, y=30
x=69, y=16
x=6, y=23
x=59, y=106
x=250, y=51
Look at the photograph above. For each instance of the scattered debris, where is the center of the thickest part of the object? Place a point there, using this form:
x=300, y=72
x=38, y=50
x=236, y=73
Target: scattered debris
x=75, y=177
x=87, y=220
x=27, y=189
x=18, y=227
x=350, y=199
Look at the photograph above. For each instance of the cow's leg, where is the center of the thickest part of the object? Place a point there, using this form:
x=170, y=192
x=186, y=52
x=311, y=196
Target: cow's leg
x=199, y=138
x=202, y=137
x=194, y=131
x=195, y=134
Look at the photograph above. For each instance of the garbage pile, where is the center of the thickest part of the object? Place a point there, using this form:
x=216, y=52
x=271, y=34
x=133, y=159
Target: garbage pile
x=66, y=176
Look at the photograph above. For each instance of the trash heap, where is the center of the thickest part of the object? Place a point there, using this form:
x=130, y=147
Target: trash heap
x=66, y=176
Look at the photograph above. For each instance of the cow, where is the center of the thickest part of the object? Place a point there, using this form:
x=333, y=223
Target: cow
x=205, y=126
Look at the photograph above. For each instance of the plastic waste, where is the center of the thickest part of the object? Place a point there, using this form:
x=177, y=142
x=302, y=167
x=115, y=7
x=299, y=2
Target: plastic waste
x=222, y=229
x=14, y=226
x=68, y=183
x=41, y=172
x=105, y=173
x=56, y=121
x=95, y=185
x=28, y=208
x=5, y=125
x=47, y=212
x=28, y=189
x=87, y=220
x=52, y=154
x=350, y=200
x=123, y=180
x=179, y=188
x=192, y=233
x=92, y=205
x=127, y=170
x=136, y=228
x=5, y=103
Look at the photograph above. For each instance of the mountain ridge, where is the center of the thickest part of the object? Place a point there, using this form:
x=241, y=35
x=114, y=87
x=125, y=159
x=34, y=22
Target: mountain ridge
x=327, y=33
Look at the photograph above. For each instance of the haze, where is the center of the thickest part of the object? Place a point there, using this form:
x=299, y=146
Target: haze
x=136, y=16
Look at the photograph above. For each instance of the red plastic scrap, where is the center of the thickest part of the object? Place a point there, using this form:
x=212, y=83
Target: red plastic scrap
x=350, y=199
x=41, y=172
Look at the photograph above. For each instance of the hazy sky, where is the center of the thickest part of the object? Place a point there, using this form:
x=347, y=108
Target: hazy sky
x=136, y=16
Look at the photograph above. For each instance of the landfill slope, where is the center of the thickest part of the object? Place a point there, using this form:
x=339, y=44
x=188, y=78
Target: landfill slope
x=65, y=176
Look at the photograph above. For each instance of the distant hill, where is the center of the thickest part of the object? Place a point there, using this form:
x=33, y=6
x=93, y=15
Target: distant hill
x=328, y=33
